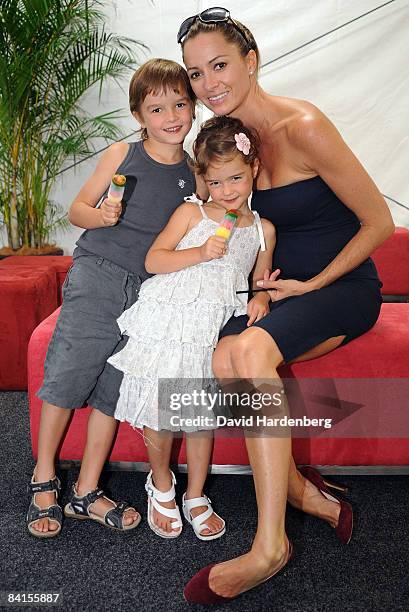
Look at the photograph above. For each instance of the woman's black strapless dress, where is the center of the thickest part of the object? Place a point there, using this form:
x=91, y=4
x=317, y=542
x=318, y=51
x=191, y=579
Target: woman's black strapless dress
x=312, y=227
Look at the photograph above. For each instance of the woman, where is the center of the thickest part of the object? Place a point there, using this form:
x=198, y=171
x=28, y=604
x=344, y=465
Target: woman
x=329, y=217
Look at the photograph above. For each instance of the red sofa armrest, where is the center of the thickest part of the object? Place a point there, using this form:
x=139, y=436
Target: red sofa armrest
x=392, y=262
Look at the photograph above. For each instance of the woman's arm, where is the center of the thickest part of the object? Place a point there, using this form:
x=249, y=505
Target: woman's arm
x=318, y=142
x=162, y=257
x=335, y=163
x=265, y=258
x=258, y=307
x=82, y=212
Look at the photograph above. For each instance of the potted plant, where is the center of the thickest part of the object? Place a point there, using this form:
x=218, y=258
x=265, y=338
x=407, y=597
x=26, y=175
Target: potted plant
x=52, y=52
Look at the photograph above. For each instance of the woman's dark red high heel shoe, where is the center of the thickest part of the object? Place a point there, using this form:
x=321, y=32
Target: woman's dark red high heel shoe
x=345, y=520
x=198, y=590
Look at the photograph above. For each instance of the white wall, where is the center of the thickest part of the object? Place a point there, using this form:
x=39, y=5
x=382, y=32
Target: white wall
x=357, y=76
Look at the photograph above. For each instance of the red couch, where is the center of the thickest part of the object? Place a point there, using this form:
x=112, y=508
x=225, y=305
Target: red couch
x=392, y=262
x=27, y=297
x=58, y=264
x=30, y=289
x=381, y=353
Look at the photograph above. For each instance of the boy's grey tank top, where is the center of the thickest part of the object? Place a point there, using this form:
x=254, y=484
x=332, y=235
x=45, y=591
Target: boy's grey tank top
x=153, y=191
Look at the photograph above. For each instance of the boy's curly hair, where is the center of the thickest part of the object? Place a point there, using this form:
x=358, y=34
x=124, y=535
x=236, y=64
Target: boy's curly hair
x=216, y=142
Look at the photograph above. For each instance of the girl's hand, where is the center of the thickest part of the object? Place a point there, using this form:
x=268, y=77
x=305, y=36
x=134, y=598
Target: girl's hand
x=280, y=289
x=110, y=212
x=257, y=308
x=214, y=248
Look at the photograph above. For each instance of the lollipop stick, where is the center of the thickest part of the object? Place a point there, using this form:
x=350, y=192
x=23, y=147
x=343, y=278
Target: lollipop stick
x=252, y=290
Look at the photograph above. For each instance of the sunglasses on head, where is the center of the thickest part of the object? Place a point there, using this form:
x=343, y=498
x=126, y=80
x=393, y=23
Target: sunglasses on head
x=216, y=14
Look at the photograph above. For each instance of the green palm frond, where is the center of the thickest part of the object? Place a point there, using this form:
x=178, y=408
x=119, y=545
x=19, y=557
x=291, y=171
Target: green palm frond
x=52, y=52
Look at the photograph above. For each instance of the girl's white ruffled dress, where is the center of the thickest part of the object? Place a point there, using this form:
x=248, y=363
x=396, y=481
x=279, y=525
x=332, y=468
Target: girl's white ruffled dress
x=174, y=325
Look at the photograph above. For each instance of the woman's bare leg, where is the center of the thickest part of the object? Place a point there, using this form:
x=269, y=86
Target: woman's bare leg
x=253, y=355
x=302, y=494
x=198, y=451
x=53, y=422
x=159, y=445
x=268, y=456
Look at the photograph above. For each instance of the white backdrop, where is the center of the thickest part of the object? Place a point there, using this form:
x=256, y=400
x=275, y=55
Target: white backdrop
x=358, y=76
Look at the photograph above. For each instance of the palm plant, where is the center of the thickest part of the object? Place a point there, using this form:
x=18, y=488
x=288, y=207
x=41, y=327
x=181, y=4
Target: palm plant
x=51, y=53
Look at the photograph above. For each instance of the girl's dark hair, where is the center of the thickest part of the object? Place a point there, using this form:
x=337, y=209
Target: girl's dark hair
x=244, y=42
x=155, y=76
x=216, y=142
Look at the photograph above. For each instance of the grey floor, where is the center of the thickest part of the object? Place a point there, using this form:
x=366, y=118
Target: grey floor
x=97, y=569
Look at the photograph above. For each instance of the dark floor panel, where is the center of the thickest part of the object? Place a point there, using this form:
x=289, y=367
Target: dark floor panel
x=98, y=569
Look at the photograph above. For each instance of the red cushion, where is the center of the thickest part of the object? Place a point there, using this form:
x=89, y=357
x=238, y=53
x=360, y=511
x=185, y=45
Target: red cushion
x=129, y=445
x=381, y=353
x=392, y=262
x=27, y=297
x=59, y=264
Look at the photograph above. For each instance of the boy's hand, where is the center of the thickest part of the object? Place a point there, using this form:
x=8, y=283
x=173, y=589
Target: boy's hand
x=214, y=248
x=257, y=308
x=110, y=212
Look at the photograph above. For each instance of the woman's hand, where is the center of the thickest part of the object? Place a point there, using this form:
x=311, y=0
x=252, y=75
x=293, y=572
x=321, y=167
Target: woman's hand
x=280, y=289
x=257, y=308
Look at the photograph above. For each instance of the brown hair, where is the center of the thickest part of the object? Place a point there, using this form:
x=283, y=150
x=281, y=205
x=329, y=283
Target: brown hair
x=155, y=76
x=244, y=42
x=216, y=142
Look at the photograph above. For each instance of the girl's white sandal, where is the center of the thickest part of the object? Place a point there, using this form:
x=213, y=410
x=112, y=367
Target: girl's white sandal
x=155, y=496
x=198, y=523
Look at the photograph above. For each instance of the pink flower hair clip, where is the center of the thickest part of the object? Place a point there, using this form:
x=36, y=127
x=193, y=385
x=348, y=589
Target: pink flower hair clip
x=242, y=143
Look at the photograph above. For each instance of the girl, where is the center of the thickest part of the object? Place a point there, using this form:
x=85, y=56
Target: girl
x=174, y=326
x=108, y=267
